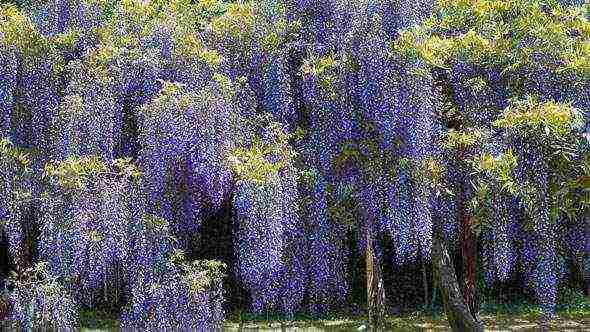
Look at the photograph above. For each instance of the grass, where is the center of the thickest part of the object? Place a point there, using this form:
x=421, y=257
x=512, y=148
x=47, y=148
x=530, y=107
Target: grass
x=94, y=320
x=418, y=321
x=573, y=314
x=520, y=315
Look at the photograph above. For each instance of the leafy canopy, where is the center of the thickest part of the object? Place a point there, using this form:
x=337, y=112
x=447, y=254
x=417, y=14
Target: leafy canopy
x=506, y=34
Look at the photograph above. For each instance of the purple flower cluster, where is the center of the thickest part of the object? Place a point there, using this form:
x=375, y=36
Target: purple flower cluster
x=184, y=163
x=88, y=119
x=295, y=115
x=166, y=292
x=8, y=74
x=39, y=302
x=85, y=235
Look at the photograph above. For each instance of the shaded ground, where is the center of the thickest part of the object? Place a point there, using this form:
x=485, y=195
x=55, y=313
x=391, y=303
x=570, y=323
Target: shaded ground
x=492, y=323
x=566, y=321
x=573, y=314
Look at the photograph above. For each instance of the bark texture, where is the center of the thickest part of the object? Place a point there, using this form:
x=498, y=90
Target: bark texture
x=375, y=287
x=458, y=314
x=468, y=248
x=468, y=253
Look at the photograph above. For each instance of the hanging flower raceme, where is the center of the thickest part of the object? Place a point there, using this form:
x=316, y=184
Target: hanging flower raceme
x=325, y=22
x=534, y=126
x=8, y=74
x=191, y=156
x=494, y=211
x=39, y=302
x=260, y=249
x=271, y=250
x=332, y=116
x=88, y=120
x=328, y=284
x=15, y=201
x=278, y=92
x=137, y=73
x=399, y=217
x=166, y=292
x=57, y=16
x=187, y=297
x=85, y=233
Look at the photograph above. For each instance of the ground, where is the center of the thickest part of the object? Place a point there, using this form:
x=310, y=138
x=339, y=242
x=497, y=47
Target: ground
x=521, y=318
x=419, y=323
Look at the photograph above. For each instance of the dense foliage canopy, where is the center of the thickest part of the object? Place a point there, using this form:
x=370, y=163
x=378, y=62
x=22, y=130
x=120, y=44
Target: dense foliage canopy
x=323, y=133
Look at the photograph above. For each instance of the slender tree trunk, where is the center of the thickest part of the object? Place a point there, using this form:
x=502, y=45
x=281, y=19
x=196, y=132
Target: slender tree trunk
x=458, y=314
x=3, y=308
x=468, y=253
x=468, y=249
x=375, y=289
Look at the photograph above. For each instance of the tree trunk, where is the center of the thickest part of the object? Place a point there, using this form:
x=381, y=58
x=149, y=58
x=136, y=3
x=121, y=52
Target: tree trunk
x=468, y=249
x=375, y=289
x=468, y=254
x=4, y=306
x=458, y=314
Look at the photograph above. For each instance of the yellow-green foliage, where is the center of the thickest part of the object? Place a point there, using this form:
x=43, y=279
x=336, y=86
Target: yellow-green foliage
x=253, y=163
x=158, y=224
x=131, y=21
x=225, y=83
x=198, y=275
x=261, y=162
x=16, y=29
x=432, y=171
x=202, y=274
x=190, y=45
x=509, y=34
x=172, y=93
x=67, y=39
x=349, y=153
x=126, y=167
x=14, y=154
x=498, y=168
x=478, y=83
x=74, y=172
x=318, y=66
x=323, y=69
x=175, y=99
x=248, y=26
x=480, y=206
x=171, y=88
x=19, y=33
x=462, y=139
x=238, y=21
x=531, y=117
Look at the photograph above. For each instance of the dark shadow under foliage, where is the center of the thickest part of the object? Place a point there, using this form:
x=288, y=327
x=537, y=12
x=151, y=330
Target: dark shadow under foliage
x=218, y=244
x=405, y=284
x=5, y=265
